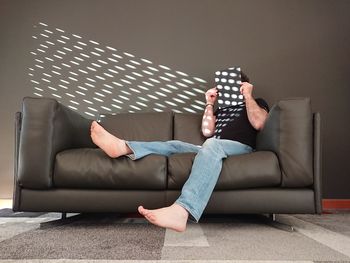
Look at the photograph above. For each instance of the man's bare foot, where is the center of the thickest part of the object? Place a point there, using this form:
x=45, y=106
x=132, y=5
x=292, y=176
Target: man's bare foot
x=111, y=145
x=173, y=217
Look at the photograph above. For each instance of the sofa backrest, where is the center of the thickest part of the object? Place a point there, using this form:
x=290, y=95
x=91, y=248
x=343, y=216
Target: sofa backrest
x=155, y=126
x=187, y=128
x=288, y=132
x=147, y=126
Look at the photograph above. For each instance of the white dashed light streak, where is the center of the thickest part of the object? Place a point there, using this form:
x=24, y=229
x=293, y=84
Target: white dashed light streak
x=92, y=78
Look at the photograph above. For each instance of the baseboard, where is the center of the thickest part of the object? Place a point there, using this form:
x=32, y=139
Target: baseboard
x=336, y=204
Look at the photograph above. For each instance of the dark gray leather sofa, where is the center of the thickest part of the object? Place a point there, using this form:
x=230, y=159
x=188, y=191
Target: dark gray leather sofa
x=59, y=169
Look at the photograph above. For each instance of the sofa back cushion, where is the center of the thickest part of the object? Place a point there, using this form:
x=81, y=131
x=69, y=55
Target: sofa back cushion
x=288, y=133
x=187, y=128
x=148, y=126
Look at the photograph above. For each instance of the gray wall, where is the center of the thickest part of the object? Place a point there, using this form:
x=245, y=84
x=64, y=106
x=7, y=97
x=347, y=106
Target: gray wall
x=288, y=48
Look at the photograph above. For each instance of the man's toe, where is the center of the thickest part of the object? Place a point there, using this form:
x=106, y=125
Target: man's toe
x=141, y=210
x=150, y=217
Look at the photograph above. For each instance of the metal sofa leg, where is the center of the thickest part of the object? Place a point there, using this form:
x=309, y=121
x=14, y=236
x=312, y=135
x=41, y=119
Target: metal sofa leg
x=61, y=221
x=272, y=221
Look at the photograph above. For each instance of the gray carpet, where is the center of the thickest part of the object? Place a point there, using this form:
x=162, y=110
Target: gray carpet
x=338, y=222
x=232, y=238
x=86, y=237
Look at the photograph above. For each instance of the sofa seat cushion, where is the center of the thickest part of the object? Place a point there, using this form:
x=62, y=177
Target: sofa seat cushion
x=90, y=168
x=257, y=169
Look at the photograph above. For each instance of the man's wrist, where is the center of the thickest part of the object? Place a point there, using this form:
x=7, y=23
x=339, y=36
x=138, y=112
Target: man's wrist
x=247, y=98
x=209, y=104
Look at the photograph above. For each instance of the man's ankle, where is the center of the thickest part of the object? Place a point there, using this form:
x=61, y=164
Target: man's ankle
x=127, y=148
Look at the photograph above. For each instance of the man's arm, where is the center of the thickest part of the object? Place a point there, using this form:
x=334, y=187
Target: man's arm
x=257, y=116
x=209, y=119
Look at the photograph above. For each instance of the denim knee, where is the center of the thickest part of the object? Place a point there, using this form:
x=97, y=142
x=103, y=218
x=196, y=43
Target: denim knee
x=213, y=145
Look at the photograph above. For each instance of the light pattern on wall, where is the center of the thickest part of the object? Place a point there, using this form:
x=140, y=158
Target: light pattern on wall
x=93, y=78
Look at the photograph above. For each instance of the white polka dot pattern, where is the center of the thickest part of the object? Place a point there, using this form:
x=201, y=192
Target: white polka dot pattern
x=228, y=83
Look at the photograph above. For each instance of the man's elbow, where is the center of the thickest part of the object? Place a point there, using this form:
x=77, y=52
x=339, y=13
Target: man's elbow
x=260, y=123
x=258, y=126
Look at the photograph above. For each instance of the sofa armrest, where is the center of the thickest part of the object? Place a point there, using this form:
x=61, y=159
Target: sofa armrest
x=47, y=127
x=288, y=132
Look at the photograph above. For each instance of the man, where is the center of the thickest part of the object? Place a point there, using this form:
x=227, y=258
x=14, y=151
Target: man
x=236, y=137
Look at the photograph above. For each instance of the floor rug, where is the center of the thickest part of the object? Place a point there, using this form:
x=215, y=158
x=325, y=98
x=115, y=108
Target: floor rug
x=234, y=238
x=87, y=237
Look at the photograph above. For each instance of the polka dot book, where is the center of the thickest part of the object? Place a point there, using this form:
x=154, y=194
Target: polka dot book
x=228, y=83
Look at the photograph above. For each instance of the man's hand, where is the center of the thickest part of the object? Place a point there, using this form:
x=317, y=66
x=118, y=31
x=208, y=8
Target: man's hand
x=246, y=90
x=211, y=95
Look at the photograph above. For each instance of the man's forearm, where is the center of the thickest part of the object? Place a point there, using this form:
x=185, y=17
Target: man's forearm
x=208, y=121
x=256, y=115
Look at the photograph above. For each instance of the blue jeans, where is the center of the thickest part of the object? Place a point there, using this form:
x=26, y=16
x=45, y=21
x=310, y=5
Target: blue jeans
x=205, y=171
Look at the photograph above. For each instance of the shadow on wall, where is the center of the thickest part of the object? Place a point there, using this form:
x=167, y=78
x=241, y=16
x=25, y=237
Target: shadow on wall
x=92, y=78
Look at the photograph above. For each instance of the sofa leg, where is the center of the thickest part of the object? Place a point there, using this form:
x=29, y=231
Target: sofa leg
x=60, y=221
x=272, y=221
x=272, y=217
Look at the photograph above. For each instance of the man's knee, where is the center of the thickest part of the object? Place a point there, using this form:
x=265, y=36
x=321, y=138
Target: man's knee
x=211, y=143
x=214, y=146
